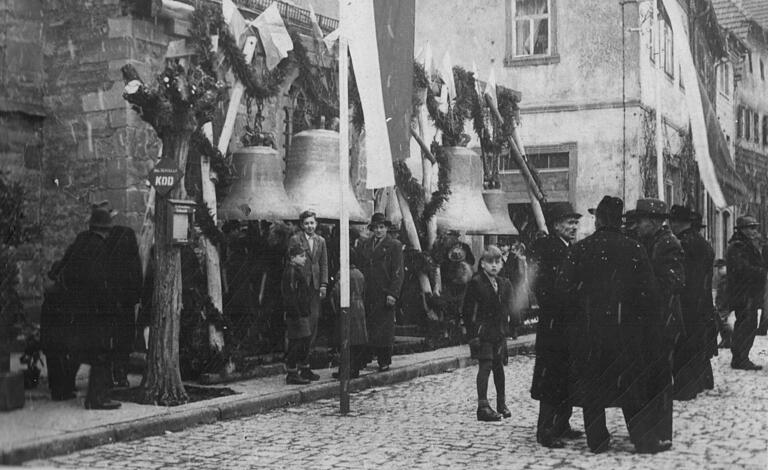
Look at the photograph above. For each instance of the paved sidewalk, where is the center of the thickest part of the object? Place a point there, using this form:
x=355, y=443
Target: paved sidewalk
x=45, y=428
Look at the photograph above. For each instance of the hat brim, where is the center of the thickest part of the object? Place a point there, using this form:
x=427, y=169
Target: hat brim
x=98, y=225
x=383, y=222
x=650, y=215
x=747, y=226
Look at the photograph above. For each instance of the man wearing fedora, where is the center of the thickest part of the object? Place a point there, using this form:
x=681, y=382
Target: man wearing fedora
x=84, y=277
x=691, y=369
x=666, y=255
x=380, y=258
x=746, y=280
x=550, y=371
x=608, y=280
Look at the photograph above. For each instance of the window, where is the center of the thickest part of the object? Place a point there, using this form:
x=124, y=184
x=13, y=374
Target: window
x=540, y=161
x=667, y=48
x=747, y=127
x=756, y=121
x=762, y=69
x=531, y=27
x=765, y=129
x=739, y=122
x=749, y=58
x=724, y=78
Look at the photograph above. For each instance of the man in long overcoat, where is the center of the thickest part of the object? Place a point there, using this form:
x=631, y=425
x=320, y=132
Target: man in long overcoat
x=315, y=271
x=746, y=279
x=691, y=359
x=84, y=276
x=550, y=371
x=666, y=255
x=380, y=258
x=608, y=280
x=124, y=281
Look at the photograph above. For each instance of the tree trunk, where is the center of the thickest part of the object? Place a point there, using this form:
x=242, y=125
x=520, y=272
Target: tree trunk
x=162, y=381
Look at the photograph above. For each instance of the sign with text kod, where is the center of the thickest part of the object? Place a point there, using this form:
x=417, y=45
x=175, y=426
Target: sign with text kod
x=164, y=176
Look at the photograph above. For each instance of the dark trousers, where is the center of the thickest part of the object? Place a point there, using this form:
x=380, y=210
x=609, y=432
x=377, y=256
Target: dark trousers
x=743, y=334
x=357, y=355
x=597, y=431
x=62, y=369
x=297, y=353
x=123, y=338
x=99, y=380
x=657, y=412
x=553, y=420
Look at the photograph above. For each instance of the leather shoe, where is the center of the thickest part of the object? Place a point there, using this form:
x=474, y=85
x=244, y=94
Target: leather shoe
x=550, y=442
x=761, y=332
x=602, y=447
x=654, y=448
x=501, y=408
x=571, y=433
x=746, y=365
x=296, y=379
x=104, y=405
x=308, y=374
x=486, y=413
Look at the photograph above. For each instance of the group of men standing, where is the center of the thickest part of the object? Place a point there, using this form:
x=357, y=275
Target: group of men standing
x=88, y=315
x=626, y=318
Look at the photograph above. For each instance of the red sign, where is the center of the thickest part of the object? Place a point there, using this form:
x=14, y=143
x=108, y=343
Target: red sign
x=164, y=176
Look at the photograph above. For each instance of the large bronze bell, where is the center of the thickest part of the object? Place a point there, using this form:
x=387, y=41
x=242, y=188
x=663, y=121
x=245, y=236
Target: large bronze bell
x=258, y=193
x=497, y=205
x=312, y=176
x=465, y=210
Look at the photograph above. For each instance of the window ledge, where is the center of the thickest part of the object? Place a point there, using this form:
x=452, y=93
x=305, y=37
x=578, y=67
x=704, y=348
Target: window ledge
x=532, y=60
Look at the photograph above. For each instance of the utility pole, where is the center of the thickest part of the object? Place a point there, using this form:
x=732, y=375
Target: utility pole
x=656, y=45
x=343, y=219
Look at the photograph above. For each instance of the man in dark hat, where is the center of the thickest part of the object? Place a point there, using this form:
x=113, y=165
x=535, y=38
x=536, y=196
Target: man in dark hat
x=747, y=274
x=629, y=227
x=666, y=257
x=691, y=369
x=550, y=371
x=608, y=280
x=380, y=258
x=84, y=275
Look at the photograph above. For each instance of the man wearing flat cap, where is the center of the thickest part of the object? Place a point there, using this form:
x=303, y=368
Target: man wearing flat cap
x=666, y=255
x=746, y=280
x=608, y=280
x=550, y=372
x=380, y=258
x=691, y=368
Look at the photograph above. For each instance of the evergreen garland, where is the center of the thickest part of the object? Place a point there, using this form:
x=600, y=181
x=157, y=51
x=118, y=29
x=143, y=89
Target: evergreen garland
x=323, y=92
x=443, y=193
x=451, y=122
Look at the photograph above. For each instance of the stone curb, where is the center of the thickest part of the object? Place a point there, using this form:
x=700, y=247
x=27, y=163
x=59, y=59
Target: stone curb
x=236, y=407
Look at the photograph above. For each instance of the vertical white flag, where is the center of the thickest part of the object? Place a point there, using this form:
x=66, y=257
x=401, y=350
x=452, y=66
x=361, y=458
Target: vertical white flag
x=447, y=73
x=234, y=19
x=359, y=25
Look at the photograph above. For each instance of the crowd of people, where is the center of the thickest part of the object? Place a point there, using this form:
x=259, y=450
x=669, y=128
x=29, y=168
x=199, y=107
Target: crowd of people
x=626, y=316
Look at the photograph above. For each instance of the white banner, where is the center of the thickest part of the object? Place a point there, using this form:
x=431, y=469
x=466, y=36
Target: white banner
x=275, y=38
x=695, y=108
x=358, y=24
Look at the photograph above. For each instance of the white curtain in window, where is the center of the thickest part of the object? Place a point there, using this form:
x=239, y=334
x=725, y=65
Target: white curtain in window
x=531, y=7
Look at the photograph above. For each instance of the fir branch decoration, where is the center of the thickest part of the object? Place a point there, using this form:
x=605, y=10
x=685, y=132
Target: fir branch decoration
x=322, y=91
x=219, y=164
x=208, y=227
x=451, y=122
x=443, y=193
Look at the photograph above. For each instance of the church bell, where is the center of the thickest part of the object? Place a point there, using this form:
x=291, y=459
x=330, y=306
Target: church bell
x=258, y=193
x=497, y=206
x=465, y=210
x=312, y=176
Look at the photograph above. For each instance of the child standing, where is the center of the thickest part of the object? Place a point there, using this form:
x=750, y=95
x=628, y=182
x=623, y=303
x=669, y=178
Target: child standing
x=296, y=299
x=358, y=334
x=486, y=311
x=721, y=305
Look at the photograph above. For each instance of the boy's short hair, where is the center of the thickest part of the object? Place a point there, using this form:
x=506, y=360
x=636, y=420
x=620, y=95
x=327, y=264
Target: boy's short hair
x=295, y=250
x=491, y=253
x=306, y=214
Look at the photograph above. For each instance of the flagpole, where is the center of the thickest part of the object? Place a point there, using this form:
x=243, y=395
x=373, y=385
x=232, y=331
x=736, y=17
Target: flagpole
x=656, y=46
x=343, y=216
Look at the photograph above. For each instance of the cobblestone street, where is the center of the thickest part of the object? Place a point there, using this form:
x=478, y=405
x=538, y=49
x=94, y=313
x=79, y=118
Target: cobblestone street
x=430, y=423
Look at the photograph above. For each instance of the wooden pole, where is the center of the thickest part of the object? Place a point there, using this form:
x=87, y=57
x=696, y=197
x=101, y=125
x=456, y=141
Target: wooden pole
x=344, y=220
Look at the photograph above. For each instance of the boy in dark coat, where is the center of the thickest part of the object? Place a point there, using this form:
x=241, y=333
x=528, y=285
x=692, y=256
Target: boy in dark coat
x=296, y=300
x=380, y=259
x=486, y=310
